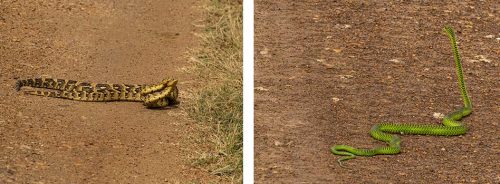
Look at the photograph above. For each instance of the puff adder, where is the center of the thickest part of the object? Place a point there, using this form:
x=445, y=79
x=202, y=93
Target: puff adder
x=152, y=96
x=450, y=127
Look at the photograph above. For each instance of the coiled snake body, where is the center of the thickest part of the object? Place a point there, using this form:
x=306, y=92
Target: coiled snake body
x=153, y=96
x=450, y=127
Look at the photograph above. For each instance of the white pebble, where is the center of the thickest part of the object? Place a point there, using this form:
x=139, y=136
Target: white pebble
x=335, y=99
x=438, y=115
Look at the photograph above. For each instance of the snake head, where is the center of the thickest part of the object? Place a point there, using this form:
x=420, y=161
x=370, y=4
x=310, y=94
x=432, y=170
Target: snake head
x=166, y=97
x=169, y=82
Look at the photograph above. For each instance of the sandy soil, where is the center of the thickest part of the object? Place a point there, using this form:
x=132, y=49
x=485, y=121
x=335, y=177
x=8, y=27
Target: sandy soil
x=327, y=71
x=46, y=140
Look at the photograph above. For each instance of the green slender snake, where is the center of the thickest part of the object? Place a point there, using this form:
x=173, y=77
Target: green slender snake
x=450, y=127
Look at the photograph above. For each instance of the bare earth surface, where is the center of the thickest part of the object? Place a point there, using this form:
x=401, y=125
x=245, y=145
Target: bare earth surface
x=46, y=140
x=326, y=72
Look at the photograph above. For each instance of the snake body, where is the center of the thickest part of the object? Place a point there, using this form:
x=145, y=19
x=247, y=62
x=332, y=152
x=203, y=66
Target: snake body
x=450, y=127
x=159, y=95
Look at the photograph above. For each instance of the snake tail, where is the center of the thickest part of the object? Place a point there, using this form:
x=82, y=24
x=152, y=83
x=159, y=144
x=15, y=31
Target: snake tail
x=47, y=83
x=385, y=131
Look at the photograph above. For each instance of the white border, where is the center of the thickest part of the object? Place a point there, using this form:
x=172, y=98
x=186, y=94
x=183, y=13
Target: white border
x=248, y=91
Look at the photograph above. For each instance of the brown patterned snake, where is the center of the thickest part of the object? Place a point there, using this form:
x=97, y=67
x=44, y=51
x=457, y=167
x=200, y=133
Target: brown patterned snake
x=153, y=96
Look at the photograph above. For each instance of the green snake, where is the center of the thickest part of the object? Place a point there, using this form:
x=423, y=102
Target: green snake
x=450, y=127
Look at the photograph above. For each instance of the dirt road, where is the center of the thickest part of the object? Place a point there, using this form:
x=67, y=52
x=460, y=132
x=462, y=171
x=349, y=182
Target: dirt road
x=44, y=140
x=327, y=71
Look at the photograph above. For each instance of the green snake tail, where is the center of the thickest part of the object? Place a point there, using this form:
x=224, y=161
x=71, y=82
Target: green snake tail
x=450, y=127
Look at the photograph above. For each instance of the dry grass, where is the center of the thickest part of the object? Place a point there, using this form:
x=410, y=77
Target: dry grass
x=219, y=105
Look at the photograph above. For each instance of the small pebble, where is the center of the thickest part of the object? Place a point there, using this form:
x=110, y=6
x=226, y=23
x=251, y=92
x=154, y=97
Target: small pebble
x=278, y=143
x=342, y=26
x=316, y=17
x=438, y=115
x=25, y=147
x=395, y=60
x=489, y=36
x=346, y=76
x=326, y=65
x=335, y=99
x=264, y=52
x=479, y=58
x=261, y=89
x=320, y=60
x=483, y=58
